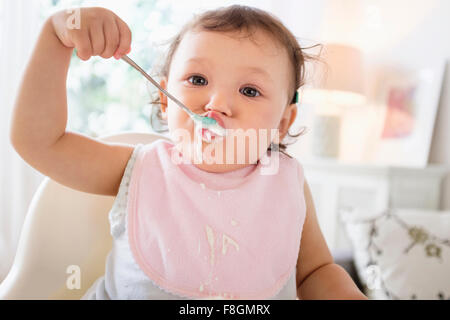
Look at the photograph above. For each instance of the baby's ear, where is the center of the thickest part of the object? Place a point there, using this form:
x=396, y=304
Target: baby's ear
x=163, y=98
x=287, y=119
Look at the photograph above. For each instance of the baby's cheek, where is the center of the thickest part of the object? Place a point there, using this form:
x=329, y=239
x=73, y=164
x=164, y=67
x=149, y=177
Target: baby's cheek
x=264, y=138
x=178, y=120
x=264, y=130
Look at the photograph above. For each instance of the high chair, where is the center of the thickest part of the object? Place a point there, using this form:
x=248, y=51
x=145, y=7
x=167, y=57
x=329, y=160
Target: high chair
x=65, y=237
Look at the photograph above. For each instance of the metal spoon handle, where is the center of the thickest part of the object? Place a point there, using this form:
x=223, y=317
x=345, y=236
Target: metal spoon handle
x=156, y=84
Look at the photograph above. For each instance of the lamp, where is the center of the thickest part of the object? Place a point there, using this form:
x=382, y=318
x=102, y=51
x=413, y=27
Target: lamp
x=338, y=82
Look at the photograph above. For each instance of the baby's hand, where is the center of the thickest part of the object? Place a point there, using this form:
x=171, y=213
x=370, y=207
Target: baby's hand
x=100, y=33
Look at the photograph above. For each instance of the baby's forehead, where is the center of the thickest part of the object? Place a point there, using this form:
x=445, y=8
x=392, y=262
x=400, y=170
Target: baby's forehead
x=256, y=41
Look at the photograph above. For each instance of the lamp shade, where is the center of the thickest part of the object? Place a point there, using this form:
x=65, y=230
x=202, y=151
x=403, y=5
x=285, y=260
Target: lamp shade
x=338, y=77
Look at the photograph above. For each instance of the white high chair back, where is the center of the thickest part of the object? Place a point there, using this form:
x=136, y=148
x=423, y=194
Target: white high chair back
x=64, y=231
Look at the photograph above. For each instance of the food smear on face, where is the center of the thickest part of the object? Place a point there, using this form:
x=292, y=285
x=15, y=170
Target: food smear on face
x=209, y=136
x=206, y=130
x=206, y=134
x=198, y=142
x=211, y=124
x=217, y=129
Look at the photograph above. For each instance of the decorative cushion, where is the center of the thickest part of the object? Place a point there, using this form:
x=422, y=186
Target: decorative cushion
x=401, y=253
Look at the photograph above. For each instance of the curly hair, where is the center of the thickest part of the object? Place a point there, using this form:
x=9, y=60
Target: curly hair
x=238, y=18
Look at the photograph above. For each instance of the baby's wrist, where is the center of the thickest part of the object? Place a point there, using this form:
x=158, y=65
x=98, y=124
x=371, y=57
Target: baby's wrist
x=57, y=24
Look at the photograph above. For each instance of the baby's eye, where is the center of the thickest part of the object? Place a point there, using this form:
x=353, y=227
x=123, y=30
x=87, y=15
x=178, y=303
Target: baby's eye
x=250, y=92
x=198, y=80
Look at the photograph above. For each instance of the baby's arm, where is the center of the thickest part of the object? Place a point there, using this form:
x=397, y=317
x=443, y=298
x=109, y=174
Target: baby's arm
x=38, y=128
x=318, y=277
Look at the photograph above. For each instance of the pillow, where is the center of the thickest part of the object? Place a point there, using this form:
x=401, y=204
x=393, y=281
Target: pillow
x=401, y=253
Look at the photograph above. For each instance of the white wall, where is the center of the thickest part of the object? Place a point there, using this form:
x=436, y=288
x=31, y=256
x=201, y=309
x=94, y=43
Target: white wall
x=415, y=32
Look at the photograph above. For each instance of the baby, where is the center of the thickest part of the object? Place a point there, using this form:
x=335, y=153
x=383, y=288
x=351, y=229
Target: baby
x=183, y=226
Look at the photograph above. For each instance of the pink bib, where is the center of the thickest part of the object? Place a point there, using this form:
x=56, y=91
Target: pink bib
x=197, y=234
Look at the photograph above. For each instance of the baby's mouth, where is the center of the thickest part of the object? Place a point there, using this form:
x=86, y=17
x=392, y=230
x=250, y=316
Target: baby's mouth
x=209, y=136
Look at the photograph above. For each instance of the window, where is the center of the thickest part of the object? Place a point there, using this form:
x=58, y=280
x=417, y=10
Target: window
x=106, y=96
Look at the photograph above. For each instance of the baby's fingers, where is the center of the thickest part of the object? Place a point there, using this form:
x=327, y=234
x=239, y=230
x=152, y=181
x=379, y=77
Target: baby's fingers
x=125, y=39
x=82, y=44
x=111, y=38
x=97, y=38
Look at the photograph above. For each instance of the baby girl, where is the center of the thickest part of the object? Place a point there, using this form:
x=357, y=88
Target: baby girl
x=224, y=229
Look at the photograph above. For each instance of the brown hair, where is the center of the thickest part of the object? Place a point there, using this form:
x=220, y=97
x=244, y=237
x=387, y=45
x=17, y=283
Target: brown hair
x=237, y=18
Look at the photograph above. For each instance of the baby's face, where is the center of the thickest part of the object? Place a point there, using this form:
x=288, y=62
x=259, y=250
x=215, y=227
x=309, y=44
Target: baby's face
x=243, y=83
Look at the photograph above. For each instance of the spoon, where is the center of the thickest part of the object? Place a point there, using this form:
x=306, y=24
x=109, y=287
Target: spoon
x=206, y=122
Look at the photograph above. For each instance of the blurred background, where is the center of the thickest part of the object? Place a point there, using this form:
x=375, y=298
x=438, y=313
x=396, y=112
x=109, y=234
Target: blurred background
x=376, y=108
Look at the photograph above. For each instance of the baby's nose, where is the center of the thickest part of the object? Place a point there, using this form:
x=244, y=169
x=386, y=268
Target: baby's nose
x=220, y=104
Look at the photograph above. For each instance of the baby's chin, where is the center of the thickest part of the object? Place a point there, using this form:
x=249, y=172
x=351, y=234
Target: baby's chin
x=212, y=157
x=219, y=168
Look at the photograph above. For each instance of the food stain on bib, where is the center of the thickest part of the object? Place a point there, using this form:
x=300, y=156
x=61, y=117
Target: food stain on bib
x=210, y=237
x=227, y=240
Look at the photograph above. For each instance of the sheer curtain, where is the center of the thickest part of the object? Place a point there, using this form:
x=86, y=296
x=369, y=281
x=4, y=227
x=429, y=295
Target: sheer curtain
x=19, y=27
